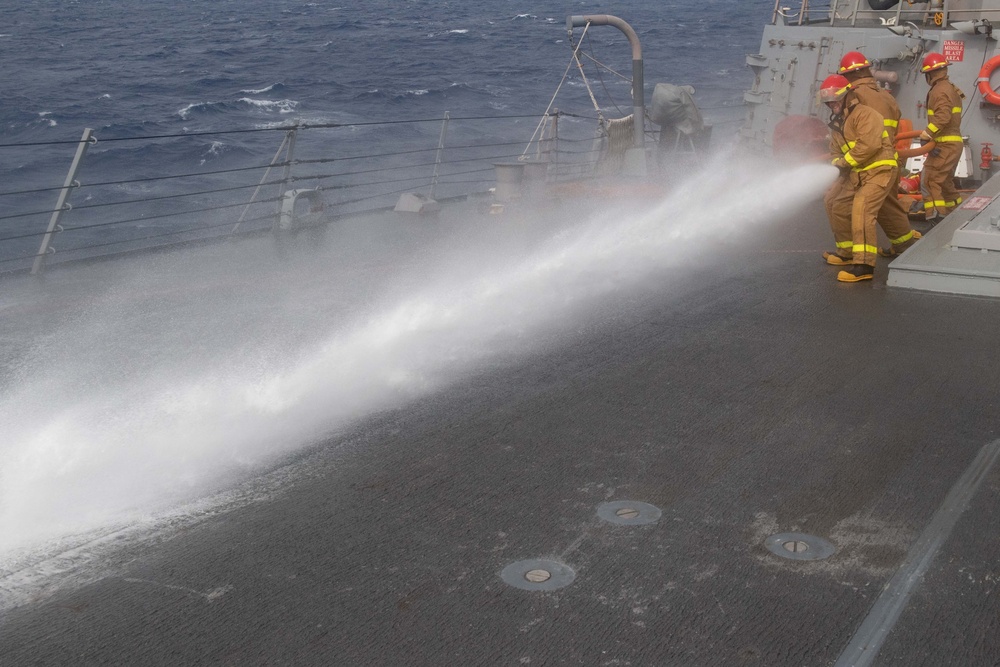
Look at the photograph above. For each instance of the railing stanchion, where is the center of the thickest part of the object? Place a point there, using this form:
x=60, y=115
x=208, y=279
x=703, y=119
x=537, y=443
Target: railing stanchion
x=289, y=156
x=437, y=159
x=554, y=147
x=263, y=179
x=61, y=202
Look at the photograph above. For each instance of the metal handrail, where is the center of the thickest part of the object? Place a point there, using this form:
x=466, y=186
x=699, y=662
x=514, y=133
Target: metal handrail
x=857, y=10
x=216, y=197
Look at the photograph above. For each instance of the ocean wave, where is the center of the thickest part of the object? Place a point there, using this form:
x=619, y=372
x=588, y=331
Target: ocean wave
x=259, y=91
x=168, y=51
x=281, y=106
x=185, y=113
x=460, y=89
x=391, y=96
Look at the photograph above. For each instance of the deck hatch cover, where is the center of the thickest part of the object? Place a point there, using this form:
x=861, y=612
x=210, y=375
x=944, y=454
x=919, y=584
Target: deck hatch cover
x=799, y=546
x=628, y=512
x=538, y=574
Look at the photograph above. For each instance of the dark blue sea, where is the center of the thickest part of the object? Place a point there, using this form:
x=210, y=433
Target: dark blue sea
x=151, y=77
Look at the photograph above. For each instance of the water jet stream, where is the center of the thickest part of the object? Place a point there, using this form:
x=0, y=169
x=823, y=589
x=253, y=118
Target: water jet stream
x=129, y=409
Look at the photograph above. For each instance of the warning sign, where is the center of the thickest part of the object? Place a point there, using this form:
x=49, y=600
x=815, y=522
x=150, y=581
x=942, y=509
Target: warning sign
x=977, y=203
x=953, y=50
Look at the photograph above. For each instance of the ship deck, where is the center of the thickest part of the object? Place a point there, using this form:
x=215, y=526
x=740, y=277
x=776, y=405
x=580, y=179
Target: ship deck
x=750, y=395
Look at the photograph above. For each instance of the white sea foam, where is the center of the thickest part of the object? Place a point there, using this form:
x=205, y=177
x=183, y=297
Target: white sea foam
x=186, y=111
x=258, y=91
x=282, y=106
x=460, y=31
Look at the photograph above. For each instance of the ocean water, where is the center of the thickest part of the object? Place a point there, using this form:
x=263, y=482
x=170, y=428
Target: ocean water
x=142, y=67
x=158, y=68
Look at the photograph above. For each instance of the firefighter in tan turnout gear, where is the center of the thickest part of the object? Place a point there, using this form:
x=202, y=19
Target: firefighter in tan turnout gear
x=862, y=151
x=892, y=217
x=944, y=121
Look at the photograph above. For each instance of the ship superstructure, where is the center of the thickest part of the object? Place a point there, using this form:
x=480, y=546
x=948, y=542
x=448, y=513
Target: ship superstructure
x=804, y=44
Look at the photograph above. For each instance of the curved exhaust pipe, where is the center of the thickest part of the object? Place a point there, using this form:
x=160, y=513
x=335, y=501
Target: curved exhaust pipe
x=638, y=103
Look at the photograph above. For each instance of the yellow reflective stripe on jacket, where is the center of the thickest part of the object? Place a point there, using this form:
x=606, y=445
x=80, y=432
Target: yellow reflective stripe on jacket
x=930, y=112
x=865, y=248
x=948, y=138
x=891, y=163
x=903, y=239
x=956, y=109
x=850, y=160
x=852, y=144
x=891, y=123
x=936, y=202
x=932, y=128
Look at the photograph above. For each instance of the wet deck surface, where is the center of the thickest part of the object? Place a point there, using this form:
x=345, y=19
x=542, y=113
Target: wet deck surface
x=751, y=397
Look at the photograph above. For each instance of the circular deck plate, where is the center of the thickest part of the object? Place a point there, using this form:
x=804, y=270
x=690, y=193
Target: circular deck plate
x=530, y=575
x=628, y=512
x=799, y=546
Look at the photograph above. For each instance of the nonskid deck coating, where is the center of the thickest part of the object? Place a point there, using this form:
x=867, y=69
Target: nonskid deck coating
x=746, y=398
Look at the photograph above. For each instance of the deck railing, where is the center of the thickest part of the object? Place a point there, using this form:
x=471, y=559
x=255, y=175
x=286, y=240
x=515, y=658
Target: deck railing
x=104, y=207
x=930, y=14
x=116, y=198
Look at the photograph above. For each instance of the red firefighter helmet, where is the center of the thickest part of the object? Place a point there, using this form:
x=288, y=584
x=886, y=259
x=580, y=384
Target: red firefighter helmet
x=833, y=88
x=933, y=61
x=853, y=60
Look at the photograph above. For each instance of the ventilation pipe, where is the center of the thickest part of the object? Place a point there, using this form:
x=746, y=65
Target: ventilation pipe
x=638, y=104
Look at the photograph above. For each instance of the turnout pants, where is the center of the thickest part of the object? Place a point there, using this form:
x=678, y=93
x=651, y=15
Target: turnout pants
x=891, y=216
x=872, y=188
x=938, y=179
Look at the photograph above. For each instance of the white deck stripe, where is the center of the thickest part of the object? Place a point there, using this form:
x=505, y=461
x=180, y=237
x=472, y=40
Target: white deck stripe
x=864, y=646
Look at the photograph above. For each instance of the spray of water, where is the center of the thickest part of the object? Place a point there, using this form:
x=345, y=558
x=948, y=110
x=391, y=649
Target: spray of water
x=131, y=407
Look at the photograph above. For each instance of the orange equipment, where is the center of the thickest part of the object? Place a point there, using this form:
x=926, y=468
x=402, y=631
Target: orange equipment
x=910, y=184
x=989, y=95
x=910, y=152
